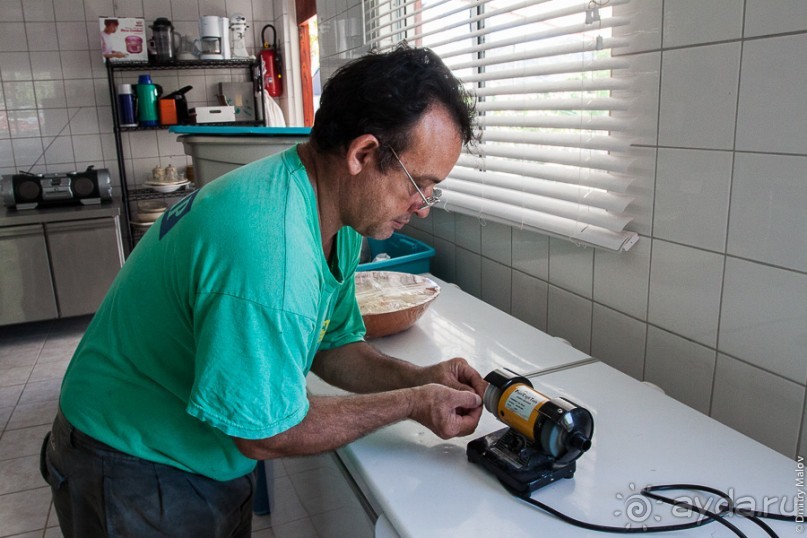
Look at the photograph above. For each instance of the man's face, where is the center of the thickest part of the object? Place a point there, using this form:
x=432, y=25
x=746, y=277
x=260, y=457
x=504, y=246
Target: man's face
x=389, y=199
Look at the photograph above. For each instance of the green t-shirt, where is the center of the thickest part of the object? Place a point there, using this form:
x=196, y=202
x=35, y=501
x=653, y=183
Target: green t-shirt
x=213, y=322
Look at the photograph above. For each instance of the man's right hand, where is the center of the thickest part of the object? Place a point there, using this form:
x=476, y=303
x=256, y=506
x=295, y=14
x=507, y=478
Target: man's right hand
x=445, y=411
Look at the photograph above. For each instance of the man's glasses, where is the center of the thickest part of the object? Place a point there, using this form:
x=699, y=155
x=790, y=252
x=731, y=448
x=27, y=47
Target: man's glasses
x=427, y=201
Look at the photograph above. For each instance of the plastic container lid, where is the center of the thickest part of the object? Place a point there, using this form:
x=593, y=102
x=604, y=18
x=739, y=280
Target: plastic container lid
x=144, y=79
x=125, y=89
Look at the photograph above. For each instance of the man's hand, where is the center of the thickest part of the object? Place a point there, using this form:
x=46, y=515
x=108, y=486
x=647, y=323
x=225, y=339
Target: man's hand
x=446, y=411
x=457, y=373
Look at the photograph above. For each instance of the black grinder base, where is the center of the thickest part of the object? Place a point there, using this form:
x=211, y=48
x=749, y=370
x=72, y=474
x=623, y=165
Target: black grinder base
x=518, y=465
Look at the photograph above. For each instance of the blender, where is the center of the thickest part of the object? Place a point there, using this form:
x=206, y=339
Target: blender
x=165, y=40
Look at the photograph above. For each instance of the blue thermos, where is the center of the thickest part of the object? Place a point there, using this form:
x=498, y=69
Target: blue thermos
x=147, y=95
x=126, y=106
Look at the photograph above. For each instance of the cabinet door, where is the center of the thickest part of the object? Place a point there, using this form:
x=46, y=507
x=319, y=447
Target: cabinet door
x=85, y=256
x=26, y=289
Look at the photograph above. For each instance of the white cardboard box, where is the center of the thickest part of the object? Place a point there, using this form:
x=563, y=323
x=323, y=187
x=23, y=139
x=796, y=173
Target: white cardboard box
x=213, y=114
x=123, y=39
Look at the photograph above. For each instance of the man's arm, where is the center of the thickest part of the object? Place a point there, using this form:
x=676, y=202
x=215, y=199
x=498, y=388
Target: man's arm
x=445, y=397
x=334, y=421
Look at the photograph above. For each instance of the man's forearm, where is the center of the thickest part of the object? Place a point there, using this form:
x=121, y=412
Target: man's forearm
x=331, y=422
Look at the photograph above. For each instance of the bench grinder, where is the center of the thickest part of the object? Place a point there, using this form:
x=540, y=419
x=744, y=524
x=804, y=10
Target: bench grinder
x=545, y=437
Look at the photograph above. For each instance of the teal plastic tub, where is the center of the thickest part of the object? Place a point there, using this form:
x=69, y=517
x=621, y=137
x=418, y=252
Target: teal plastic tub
x=407, y=255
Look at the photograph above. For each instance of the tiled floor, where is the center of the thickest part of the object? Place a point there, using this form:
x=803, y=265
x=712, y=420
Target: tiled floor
x=311, y=499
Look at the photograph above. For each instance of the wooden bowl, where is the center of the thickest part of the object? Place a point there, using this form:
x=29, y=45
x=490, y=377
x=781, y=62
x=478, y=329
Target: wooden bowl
x=392, y=302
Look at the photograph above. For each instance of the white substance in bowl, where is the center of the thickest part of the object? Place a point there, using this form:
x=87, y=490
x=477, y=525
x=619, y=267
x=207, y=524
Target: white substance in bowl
x=391, y=302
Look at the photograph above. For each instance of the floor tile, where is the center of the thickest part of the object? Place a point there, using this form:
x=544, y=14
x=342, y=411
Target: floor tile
x=22, y=442
x=286, y=506
x=302, y=528
x=5, y=414
x=9, y=396
x=342, y=522
x=41, y=391
x=34, y=414
x=49, y=370
x=15, y=375
x=20, y=474
x=18, y=354
x=56, y=353
x=323, y=490
x=24, y=511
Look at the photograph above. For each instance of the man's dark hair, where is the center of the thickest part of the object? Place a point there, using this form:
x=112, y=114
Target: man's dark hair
x=385, y=94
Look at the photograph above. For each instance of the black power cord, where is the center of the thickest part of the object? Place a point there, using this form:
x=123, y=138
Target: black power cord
x=707, y=516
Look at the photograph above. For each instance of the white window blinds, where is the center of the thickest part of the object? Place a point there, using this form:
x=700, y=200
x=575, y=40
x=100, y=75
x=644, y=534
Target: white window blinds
x=552, y=102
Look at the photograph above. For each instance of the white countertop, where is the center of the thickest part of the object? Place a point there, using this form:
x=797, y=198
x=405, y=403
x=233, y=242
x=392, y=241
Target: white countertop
x=424, y=486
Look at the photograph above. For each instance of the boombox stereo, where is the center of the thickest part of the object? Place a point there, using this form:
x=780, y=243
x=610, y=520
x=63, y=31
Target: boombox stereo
x=29, y=191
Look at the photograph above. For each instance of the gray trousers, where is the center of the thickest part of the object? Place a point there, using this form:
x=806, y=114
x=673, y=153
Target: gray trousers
x=99, y=491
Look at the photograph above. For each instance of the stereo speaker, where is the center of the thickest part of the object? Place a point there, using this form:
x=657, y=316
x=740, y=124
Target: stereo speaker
x=29, y=191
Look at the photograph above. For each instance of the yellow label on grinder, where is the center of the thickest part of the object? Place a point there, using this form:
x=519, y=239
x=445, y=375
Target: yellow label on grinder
x=518, y=408
x=523, y=401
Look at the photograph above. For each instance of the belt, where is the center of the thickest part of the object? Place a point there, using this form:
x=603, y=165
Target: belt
x=78, y=437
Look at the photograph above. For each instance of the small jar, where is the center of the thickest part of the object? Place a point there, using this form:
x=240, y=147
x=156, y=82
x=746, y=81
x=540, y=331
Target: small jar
x=158, y=174
x=171, y=175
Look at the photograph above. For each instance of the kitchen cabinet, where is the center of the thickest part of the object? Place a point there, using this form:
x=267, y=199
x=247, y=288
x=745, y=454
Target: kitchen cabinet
x=58, y=262
x=26, y=289
x=130, y=194
x=81, y=286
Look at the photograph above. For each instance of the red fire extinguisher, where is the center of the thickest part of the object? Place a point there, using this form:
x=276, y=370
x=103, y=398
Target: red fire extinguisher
x=271, y=64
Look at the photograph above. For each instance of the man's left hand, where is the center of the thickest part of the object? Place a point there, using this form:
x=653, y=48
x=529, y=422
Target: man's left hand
x=458, y=374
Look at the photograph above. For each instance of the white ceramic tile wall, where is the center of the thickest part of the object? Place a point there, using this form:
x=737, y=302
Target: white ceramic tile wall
x=689, y=22
x=497, y=283
x=621, y=280
x=768, y=202
x=569, y=317
x=759, y=404
x=692, y=197
x=699, y=96
x=764, y=317
x=618, y=340
x=684, y=369
x=685, y=288
x=529, y=297
x=54, y=100
x=570, y=267
x=720, y=174
x=772, y=117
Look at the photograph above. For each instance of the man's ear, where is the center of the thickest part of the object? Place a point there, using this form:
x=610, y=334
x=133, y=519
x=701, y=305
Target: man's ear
x=361, y=153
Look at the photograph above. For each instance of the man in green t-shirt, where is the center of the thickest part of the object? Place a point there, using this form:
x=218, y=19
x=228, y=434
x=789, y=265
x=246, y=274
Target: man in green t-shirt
x=194, y=365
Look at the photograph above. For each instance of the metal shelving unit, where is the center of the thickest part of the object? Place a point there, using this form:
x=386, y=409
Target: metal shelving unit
x=113, y=68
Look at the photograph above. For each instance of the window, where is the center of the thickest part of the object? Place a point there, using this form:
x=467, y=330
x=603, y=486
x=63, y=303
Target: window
x=553, y=109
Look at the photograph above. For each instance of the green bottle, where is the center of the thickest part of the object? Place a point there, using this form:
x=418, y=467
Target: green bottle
x=147, y=95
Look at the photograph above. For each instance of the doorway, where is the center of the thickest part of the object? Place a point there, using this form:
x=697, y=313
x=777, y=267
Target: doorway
x=308, y=33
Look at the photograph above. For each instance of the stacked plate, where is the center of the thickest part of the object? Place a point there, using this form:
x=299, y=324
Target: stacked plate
x=148, y=211
x=166, y=186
